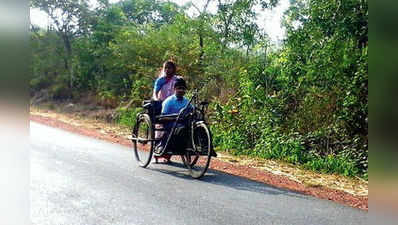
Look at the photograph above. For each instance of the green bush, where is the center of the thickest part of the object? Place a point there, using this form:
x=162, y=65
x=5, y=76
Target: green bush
x=39, y=83
x=60, y=91
x=127, y=117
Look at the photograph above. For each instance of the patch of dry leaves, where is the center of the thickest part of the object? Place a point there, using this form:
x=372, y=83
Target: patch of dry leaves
x=78, y=121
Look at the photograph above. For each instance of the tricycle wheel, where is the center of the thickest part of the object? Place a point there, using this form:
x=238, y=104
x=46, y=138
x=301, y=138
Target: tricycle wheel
x=143, y=145
x=198, y=159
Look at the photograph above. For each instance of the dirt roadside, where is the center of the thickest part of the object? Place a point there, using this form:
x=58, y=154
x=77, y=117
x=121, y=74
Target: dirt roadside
x=348, y=191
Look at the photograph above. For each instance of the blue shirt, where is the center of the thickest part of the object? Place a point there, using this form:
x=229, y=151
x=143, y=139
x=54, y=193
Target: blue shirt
x=172, y=105
x=159, y=83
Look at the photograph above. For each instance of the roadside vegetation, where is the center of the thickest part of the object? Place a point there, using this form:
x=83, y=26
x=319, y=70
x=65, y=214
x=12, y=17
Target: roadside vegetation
x=303, y=102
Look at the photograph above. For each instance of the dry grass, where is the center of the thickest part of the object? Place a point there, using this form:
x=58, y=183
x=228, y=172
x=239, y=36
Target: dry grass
x=354, y=186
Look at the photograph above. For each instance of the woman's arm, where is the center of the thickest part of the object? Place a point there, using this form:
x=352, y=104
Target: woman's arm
x=155, y=95
x=157, y=87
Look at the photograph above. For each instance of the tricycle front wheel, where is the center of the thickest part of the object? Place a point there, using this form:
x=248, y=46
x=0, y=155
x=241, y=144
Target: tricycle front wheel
x=198, y=159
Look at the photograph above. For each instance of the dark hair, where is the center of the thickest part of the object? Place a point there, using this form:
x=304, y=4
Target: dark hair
x=180, y=83
x=171, y=63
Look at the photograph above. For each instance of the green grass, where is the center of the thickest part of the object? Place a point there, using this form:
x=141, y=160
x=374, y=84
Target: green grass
x=287, y=150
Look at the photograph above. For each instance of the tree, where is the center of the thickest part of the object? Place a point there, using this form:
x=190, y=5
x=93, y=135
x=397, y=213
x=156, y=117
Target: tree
x=141, y=12
x=325, y=64
x=202, y=18
x=236, y=21
x=70, y=18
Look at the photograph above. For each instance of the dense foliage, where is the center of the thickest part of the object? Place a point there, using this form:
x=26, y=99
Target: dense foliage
x=304, y=102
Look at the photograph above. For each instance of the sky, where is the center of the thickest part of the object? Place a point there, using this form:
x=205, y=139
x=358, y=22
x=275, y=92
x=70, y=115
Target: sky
x=269, y=20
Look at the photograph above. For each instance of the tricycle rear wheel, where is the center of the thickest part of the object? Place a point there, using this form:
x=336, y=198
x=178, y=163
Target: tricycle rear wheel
x=144, y=136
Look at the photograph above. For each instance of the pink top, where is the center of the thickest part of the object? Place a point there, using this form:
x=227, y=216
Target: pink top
x=164, y=87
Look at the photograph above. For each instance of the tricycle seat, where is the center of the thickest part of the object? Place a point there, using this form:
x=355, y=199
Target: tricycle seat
x=154, y=107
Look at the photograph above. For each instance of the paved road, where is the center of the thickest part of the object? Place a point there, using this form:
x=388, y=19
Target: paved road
x=80, y=180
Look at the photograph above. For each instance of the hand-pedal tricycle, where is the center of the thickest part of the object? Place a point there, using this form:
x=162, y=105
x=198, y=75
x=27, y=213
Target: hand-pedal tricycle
x=189, y=137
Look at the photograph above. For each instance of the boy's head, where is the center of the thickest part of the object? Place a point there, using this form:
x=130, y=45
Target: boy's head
x=180, y=87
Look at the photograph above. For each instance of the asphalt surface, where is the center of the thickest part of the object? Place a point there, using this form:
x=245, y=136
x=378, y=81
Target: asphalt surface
x=81, y=180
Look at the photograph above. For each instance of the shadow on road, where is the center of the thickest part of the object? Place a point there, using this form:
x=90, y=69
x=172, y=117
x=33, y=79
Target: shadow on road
x=220, y=178
x=241, y=183
x=179, y=170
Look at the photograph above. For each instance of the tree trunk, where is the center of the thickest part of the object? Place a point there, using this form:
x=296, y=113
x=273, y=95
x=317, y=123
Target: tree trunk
x=68, y=48
x=201, y=48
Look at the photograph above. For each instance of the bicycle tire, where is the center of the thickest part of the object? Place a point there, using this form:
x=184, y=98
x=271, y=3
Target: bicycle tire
x=143, y=130
x=198, y=160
